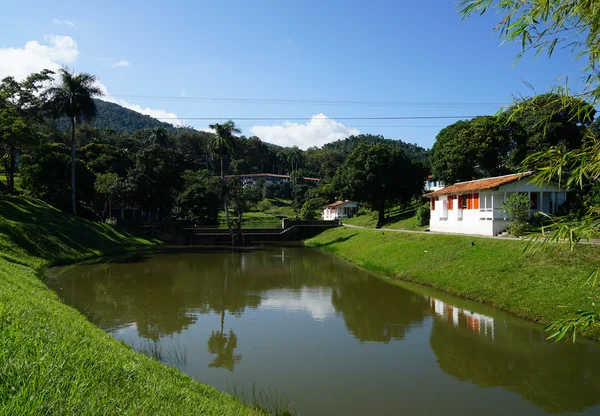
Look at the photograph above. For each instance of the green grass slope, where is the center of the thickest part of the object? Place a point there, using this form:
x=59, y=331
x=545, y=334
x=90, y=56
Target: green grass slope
x=404, y=221
x=54, y=361
x=542, y=285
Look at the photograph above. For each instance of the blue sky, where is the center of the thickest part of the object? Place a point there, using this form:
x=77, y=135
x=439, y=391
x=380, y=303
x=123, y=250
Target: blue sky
x=370, y=51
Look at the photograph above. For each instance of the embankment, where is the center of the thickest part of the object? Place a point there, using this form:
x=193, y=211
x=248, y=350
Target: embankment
x=53, y=360
x=542, y=285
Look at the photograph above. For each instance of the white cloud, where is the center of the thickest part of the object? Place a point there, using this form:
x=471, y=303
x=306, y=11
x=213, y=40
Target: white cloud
x=121, y=63
x=53, y=54
x=314, y=301
x=34, y=56
x=318, y=131
x=183, y=93
x=63, y=22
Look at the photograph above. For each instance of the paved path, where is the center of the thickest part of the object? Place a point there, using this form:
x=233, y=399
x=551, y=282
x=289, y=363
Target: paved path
x=396, y=230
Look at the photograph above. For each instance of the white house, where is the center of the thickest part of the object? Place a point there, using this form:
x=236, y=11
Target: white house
x=432, y=184
x=340, y=210
x=268, y=178
x=475, y=207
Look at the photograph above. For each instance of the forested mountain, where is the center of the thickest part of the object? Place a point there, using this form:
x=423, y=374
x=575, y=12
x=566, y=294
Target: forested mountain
x=413, y=151
x=120, y=119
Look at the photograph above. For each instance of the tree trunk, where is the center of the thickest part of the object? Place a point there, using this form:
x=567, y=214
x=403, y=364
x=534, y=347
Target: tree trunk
x=225, y=203
x=381, y=214
x=10, y=181
x=73, y=191
x=9, y=172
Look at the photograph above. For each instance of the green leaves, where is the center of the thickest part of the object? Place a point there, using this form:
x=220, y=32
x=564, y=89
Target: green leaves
x=563, y=327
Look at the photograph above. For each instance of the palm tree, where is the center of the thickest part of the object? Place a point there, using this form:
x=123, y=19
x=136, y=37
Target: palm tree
x=73, y=97
x=221, y=145
x=160, y=135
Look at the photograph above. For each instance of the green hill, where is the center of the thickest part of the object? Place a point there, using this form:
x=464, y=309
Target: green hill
x=123, y=120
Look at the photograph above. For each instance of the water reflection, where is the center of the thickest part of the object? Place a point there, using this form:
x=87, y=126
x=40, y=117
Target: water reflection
x=223, y=345
x=310, y=322
x=474, y=347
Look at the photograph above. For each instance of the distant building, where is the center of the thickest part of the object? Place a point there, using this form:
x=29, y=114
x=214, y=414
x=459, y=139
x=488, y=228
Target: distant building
x=340, y=210
x=270, y=178
x=432, y=184
x=475, y=207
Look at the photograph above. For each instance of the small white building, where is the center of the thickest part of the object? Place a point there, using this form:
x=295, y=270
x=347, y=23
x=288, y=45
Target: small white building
x=431, y=184
x=339, y=210
x=475, y=207
x=268, y=178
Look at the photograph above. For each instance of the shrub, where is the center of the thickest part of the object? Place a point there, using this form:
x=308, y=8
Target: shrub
x=423, y=215
x=517, y=208
x=265, y=206
x=312, y=209
x=269, y=190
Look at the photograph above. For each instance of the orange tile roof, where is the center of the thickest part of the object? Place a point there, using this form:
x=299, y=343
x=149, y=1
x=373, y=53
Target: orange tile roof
x=337, y=204
x=479, y=185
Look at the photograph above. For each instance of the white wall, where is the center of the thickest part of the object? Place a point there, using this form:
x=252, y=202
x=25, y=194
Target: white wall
x=460, y=221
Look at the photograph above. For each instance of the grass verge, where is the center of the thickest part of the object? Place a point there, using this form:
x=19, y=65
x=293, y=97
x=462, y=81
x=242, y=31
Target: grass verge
x=403, y=221
x=52, y=359
x=542, y=285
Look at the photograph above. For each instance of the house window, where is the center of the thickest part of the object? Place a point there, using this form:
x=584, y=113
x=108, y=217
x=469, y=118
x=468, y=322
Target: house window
x=534, y=200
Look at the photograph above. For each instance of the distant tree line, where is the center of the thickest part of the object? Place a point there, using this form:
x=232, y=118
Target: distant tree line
x=48, y=137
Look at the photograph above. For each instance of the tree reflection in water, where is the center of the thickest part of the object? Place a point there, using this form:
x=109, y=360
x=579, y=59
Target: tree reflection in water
x=166, y=294
x=223, y=345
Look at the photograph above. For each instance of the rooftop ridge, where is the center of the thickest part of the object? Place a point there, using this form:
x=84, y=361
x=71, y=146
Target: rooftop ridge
x=529, y=172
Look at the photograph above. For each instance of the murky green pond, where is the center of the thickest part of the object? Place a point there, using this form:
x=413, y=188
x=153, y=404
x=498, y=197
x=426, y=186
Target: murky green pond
x=332, y=338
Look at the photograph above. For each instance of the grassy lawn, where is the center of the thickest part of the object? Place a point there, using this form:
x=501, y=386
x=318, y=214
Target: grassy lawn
x=404, y=221
x=542, y=285
x=53, y=360
x=281, y=208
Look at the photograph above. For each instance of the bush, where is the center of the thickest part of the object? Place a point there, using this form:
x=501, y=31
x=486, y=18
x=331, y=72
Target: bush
x=517, y=208
x=423, y=215
x=265, y=206
x=269, y=190
x=312, y=209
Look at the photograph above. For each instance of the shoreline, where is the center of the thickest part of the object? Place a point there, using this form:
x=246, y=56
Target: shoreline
x=540, y=286
x=56, y=360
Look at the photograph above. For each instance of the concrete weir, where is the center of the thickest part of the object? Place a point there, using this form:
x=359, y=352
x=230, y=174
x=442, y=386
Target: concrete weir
x=186, y=233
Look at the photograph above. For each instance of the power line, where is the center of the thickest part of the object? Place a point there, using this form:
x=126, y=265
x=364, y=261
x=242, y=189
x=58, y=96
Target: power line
x=282, y=101
x=353, y=126
x=312, y=118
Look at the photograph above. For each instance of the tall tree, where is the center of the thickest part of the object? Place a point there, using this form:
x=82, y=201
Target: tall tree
x=221, y=145
x=545, y=121
x=160, y=135
x=377, y=174
x=21, y=113
x=471, y=149
x=198, y=200
x=73, y=97
x=107, y=185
